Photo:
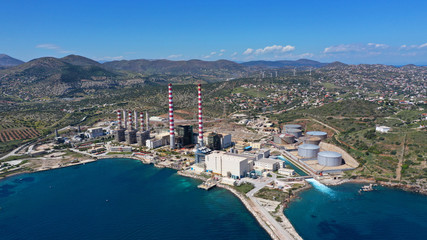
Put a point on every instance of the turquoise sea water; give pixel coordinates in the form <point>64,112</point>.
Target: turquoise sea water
<point>340,212</point>
<point>119,199</point>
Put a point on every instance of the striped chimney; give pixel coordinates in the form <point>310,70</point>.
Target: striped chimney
<point>125,118</point>
<point>135,117</point>
<point>199,98</point>
<point>171,120</point>
<point>130,120</point>
<point>119,118</point>
<point>141,119</point>
<point>147,121</point>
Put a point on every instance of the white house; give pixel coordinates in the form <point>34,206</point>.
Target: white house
<point>382,129</point>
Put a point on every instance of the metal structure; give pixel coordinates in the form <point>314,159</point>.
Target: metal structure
<point>199,98</point>
<point>308,150</point>
<point>320,134</point>
<point>296,132</point>
<point>312,140</point>
<point>171,120</point>
<point>329,159</point>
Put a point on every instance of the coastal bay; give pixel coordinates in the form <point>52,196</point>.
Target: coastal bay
<point>119,199</point>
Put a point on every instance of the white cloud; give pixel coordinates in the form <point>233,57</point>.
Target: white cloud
<point>275,49</point>
<point>54,47</point>
<point>234,54</point>
<point>214,53</point>
<point>248,51</point>
<point>174,56</point>
<point>378,45</point>
<point>413,46</point>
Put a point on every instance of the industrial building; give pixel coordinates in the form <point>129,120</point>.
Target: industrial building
<point>95,132</point>
<point>185,132</point>
<point>311,140</point>
<point>291,126</point>
<point>308,150</point>
<point>128,133</point>
<point>227,164</point>
<point>153,143</point>
<point>214,141</point>
<point>268,164</point>
<point>329,158</point>
<point>286,171</point>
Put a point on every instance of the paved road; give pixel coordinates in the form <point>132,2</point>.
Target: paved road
<point>275,226</point>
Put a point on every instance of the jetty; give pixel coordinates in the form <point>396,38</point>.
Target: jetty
<point>207,185</point>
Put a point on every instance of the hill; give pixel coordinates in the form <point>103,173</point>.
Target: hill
<point>50,76</point>
<point>206,69</point>
<point>80,61</point>
<point>7,61</point>
<point>285,64</point>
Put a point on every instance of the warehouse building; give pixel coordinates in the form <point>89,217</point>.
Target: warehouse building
<point>227,164</point>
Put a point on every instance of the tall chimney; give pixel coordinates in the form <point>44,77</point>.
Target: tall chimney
<point>199,98</point>
<point>130,120</point>
<point>125,119</point>
<point>171,120</point>
<point>135,116</point>
<point>119,118</point>
<point>141,119</point>
<point>147,121</point>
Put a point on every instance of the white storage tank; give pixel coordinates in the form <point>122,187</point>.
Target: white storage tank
<point>329,158</point>
<point>292,126</point>
<point>296,132</point>
<point>320,134</point>
<point>308,150</point>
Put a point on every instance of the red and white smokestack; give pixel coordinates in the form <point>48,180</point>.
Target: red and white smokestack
<point>119,119</point>
<point>130,120</point>
<point>171,120</point>
<point>135,116</point>
<point>141,120</point>
<point>199,98</point>
<point>125,119</point>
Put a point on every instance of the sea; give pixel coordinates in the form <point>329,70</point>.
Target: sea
<point>125,199</point>
<point>119,199</point>
<point>340,212</point>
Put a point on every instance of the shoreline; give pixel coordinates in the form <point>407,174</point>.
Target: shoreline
<point>248,203</point>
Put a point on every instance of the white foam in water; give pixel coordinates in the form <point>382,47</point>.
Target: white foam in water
<point>321,187</point>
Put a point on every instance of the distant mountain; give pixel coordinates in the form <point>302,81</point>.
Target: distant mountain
<point>220,68</point>
<point>285,63</point>
<point>335,64</point>
<point>48,76</point>
<point>80,61</point>
<point>7,61</point>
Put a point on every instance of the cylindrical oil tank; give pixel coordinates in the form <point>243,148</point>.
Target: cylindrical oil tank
<point>308,150</point>
<point>292,126</point>
<point>329,158</point>
<point>288,138</point>
<point>312,140</point>
<point>296,132</point>
<point>320,134</point>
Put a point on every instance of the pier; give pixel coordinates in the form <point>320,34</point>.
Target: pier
<point>207,185</point>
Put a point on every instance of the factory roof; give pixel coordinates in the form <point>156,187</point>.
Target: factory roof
<point>269,160</point>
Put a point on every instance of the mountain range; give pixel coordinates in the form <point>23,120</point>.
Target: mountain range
<point>49,76</point>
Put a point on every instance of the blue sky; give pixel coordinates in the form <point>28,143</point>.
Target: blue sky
<point>375,31</point>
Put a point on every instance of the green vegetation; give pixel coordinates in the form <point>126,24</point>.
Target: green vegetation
<point>272,194</point>
<point>244,188</point>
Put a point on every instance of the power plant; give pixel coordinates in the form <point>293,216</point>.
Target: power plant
<point>129,133</point>
<point>171,120</point>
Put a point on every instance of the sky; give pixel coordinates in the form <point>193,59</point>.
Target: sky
<point>362,31</point>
